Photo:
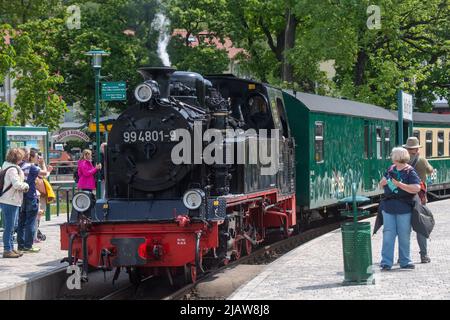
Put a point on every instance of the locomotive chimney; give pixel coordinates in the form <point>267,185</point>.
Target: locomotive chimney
<point>160,75</point>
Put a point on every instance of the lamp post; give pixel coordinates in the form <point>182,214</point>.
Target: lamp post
<point>97,65</point>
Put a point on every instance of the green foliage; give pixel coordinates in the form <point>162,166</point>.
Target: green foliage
<point>196,16</point>
<point>6,112</point>
<point>16,12</point>
<point>37,99</point>
<point>204,58</point>
<point>409,51</point>
<point>68,145</point>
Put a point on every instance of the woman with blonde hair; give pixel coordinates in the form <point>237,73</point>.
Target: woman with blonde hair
<point>11,198</point>
<point>86,171</point>
<point>400,183</point>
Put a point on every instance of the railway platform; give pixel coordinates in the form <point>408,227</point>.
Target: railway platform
<point>315,270</point>
<point>34,275</point>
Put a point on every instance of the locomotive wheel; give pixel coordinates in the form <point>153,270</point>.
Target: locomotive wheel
<point>247,247</point>
<point>237,249</point>
<point>190,273</point>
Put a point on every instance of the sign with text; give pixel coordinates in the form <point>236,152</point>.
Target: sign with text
<point>114,91</point>
<point>65,135</point>
<point>406,104</point>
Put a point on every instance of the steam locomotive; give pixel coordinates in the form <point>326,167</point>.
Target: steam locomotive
<point>197,172</point>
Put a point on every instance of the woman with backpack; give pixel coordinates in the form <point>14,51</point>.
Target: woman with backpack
<point>86,172</point>
<point>401,183</point>
<point>13,186</point>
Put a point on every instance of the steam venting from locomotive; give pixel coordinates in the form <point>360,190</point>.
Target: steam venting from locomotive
<point>162,23</point>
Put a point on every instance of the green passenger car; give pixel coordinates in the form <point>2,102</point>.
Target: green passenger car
<point>433,132</point>
<point>338,142</point>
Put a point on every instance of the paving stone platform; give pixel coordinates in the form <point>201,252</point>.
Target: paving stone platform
<point>315,270</point>
<point>31,267</point>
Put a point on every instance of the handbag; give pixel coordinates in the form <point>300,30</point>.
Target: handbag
<point>49,191</point>
<point>40,186</point>
<point>422,220</point>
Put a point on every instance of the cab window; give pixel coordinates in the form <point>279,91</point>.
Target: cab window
<point>283,118</point>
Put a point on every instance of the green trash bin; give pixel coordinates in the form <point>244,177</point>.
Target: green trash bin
<point>357,251</point>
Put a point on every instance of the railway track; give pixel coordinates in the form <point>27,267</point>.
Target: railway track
<point>262,255</point>
<point>158,288</point>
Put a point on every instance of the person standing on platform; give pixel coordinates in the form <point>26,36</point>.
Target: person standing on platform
<point>87,171</point>
<point>400,183</point>
<point>11,198</point>
<point>27,218</point>
<point>423,168</point>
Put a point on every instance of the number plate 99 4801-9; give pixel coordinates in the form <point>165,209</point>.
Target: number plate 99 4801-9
<point>148,136</point>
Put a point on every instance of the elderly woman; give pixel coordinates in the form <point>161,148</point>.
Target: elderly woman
<point>400,183</point>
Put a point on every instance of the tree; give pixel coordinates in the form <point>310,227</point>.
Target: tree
<point>267,30</point>
<point>37,101</point>
<point>205,21</point>
<point>103,25</point>
<point>17,12</point>
<point>408,51</point>
<point>204,58</point>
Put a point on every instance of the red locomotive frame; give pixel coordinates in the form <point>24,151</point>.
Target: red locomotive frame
<point>174,244</point>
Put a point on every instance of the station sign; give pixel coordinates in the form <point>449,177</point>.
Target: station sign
<point>72,134</point>
<point>114,91</point>
<point>406,105</point>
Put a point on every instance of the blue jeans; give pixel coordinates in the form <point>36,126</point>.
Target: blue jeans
<point>9,213</point>
<point>422,241</point>
<point>27,223</point>
<point>396,225</point>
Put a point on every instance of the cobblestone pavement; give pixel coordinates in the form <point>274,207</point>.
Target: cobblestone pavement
<point>315,270</point>
<point>32,265</point>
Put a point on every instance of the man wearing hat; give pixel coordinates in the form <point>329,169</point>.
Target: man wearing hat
<point>423,168</point>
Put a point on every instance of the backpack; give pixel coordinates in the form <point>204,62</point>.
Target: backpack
<point>2,180</point>
<point>423,186</point>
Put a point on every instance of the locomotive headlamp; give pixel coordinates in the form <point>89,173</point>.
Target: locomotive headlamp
<point>81,201</point>
<point>193,199</point>
<point>143,92</point>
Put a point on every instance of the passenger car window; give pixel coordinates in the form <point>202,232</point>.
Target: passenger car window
<point>429,144</point>
<point>440,141</point>
<point>379,143</point>
<point>387,143</point>
<point>416,133</point>
<point>318,142</point>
